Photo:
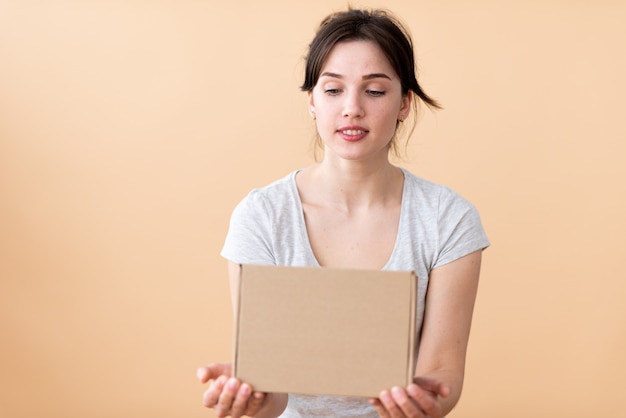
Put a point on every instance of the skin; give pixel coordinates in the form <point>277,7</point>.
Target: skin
<point>351,196</point>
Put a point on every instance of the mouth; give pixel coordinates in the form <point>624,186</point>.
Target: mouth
<point>352,133</point>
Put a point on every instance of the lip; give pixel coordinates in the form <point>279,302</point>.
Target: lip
<point>352,133</point>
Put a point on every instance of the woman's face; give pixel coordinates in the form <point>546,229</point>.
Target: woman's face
<point>357,101</point>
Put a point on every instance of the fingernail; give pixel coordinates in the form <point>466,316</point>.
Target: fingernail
<point>384,396</point>
<point>244,390</point>
<point>200,373</point>
<point>232,383</point>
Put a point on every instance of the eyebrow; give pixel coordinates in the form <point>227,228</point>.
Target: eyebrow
<point>365,77</point>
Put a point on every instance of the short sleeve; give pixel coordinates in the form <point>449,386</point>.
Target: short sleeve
<point>460,230</point>
<point>248,240</point>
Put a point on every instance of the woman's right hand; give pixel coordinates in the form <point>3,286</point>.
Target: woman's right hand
<point>226,394</point>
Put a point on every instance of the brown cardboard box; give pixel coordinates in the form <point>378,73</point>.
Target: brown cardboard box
<point>325,331</point>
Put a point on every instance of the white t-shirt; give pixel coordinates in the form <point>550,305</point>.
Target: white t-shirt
<point>437,226</point>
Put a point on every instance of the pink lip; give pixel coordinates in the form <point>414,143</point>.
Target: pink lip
<point>352,133</point>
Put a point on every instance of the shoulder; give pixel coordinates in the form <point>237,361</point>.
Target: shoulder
<point>277,187</point>
<point>431,193</point>
<point>449,220</point>
<point>272,195</point>
<point>277,190</point>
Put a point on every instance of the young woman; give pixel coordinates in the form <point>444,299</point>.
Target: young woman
<point>355,209</point>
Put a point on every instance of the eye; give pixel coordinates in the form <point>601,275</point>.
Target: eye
<point>375,93</point>
<point>332,92</point>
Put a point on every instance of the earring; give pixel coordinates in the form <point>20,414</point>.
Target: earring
<point>401,118</point>
<point>313,115</point>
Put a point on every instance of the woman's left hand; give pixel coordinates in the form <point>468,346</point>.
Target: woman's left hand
<point>418,400</point>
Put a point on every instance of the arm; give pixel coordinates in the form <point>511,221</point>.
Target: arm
<point>234,272</point>
<point>229,396</point>
<point>441,362</point>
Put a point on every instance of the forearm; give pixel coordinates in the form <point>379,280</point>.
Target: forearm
<point>447,321</point>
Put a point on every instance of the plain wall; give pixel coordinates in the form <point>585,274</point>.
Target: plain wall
<point>130,129</point>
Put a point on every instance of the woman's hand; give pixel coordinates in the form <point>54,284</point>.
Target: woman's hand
<point>226,394</point>
<point>418,400</point>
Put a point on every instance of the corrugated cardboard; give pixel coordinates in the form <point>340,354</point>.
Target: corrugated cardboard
<point>323,331</point>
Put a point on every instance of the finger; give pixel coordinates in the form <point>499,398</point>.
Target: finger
<point>212,371</point>
<point>240,403</point>
<point>404,402</point>
<point>391,408</point>
<point>378,406</point>
<point>255,403</point>
<point>225,402</point>
<point>435,386</point>
<point>212,394</point>
<point>425,400</point>
<point>202,374</point>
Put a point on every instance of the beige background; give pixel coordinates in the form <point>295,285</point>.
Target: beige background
<point>130,129</point>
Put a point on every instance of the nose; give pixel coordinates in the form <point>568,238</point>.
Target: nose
<point>352,105</point>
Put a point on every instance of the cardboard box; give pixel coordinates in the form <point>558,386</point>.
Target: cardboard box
<point>323,331</point>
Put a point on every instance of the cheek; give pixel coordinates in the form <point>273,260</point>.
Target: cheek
<point>325,115</point>
<point>324,125</point>
<point>387,119</point>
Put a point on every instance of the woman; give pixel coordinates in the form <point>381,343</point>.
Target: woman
<point>355,209</point>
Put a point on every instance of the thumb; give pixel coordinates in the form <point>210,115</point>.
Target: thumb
<point>436,387</point>
<point>212,371</point>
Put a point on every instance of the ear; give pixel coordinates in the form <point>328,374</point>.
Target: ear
<point>405,105</point>
<point>310,102</point>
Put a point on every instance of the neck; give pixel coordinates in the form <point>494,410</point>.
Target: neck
<point>356,184</point>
